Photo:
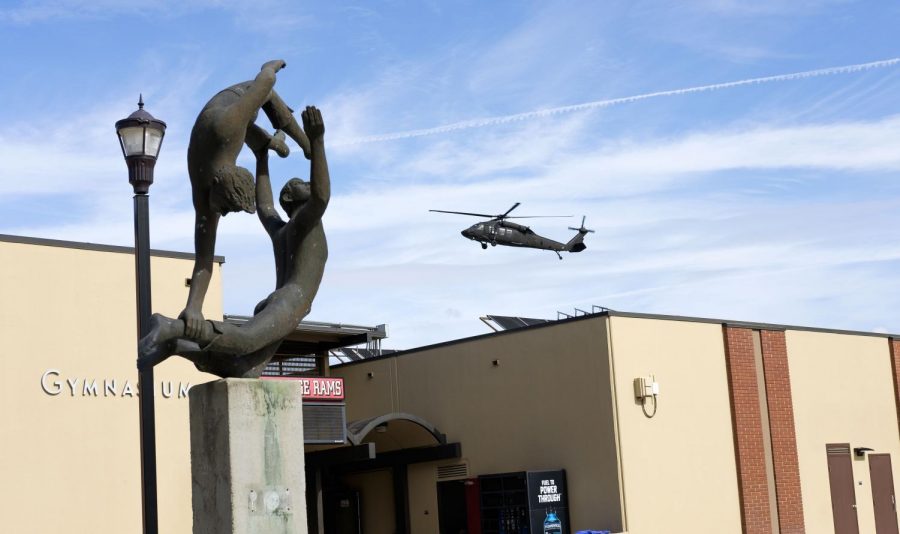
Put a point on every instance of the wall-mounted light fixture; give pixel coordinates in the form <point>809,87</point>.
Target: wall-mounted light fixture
<point>646,387</point>
<point>370,375</point>
<point>861,451</point>
<point>495,363</point>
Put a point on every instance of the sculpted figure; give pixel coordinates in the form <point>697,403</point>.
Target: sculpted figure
<point>300,253</point>
<point>218,185</point>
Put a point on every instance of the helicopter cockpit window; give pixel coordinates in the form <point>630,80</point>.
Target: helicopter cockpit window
<point>480,227</point>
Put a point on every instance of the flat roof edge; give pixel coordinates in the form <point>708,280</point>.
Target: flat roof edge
<point>750,324</point>
<point>473,338</point>
<point>78,245</point>
<point>634,315</point>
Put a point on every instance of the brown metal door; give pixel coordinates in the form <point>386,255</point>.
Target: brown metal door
<point>843,494</point>
<point>883,494</point>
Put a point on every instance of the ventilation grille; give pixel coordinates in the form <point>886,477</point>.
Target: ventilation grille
<point>290,366</point>
<point>453,472</point>
<point>838,449</point>
<point>324,422</point>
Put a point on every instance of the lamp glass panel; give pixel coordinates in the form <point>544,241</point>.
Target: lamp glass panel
<point>133,140</point>
<point>154,139</point>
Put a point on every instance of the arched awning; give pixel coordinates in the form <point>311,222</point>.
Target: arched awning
<point>358,430</point>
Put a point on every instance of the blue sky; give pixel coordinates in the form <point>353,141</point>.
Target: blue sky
<point>774,201</point>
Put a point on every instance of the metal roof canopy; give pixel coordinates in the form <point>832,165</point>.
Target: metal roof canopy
<point>314,337</point>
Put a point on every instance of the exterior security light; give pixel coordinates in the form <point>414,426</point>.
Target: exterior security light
<point>140,136</point>
<point>861,451</point>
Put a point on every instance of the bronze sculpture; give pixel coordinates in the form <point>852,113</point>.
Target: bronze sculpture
<point>299,243</point>
<point>218,185</point>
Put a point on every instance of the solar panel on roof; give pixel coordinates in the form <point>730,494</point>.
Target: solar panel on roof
<point>509,323</point>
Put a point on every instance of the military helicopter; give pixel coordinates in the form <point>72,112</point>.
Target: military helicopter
<point>498,230</point>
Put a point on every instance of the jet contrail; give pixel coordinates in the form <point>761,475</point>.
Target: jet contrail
<point>491,121</point>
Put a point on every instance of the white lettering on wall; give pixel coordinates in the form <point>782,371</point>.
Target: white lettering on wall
<point>56,385</point>
<point>91,387</point>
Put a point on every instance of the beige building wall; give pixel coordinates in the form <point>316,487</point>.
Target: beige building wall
<point>679,471</point>
<point>676,470</point>
<point>546,405</point>
<point>70,460</point>
<point>373,388</point>
<point>843,393</point>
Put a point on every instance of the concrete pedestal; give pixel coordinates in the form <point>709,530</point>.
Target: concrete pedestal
<point>247,457</point>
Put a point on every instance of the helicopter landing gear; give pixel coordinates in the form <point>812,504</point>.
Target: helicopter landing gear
<point>558,254</point>
<point>493,243</point>
<point>484,246</point>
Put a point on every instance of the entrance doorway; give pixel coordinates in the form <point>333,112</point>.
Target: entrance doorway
<point>843,494</point>
<point>883,494</point>
<point>342,512</point>
<point>453,517</point>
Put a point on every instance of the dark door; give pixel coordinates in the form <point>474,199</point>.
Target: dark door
<point>341,512</point>
<point>452,513</point>
<point>883,494</point>
<point>843,495</point>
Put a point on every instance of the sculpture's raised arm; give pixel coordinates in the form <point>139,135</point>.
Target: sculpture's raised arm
<point>265,205</point>
<point>319,180</point>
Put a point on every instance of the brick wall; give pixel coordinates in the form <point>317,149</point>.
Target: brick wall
<point>895,367</point>
<point>781,428</point>
<point>748,435</point>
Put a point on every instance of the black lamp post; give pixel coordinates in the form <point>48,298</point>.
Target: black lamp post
<point>140,136</point>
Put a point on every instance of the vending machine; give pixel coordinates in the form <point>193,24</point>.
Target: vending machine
<point>526,502</point>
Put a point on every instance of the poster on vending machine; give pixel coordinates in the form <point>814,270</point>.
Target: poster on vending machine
<point>547,502</point>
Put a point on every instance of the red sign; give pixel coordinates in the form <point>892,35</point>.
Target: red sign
<point>317,387</point>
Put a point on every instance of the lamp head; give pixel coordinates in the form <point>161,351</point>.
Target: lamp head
<point>140,137</point>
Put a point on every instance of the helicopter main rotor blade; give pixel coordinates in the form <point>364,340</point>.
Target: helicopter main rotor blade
<point>537,216</point>
<point>465,213</point>
<point>504,216</point>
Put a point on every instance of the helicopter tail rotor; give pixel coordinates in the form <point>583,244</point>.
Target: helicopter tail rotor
<point>576,244</point>
<point>582,229</point>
